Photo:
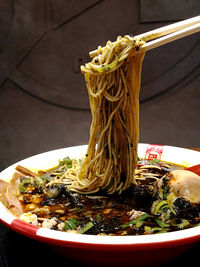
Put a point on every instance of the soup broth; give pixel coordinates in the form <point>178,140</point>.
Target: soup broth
<point>138,210</point>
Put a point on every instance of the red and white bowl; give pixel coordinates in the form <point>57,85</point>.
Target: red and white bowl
<point>139,250</point>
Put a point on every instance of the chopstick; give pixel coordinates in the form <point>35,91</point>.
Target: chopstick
<point>166,34</point>
<point>171,37</point>
<point>168,29</point>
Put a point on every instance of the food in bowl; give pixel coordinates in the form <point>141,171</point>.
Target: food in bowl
<point>165,199</point>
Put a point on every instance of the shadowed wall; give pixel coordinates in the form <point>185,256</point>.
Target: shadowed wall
<point>43,99</point>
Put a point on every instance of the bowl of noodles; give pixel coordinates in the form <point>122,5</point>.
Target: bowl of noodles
<point>136,238</point>
<point>113,201</point>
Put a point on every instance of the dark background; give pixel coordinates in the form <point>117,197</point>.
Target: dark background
<point>43,99</point>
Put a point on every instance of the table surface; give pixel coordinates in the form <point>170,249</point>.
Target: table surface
<point>17,250</point>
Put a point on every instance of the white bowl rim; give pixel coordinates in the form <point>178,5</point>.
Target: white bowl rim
<point>47,159</point>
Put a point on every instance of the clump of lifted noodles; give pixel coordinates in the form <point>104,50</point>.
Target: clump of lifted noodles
<point>113,82</point>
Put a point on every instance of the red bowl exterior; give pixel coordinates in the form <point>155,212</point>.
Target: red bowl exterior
<point>122,257</point>
<point>90,254</point>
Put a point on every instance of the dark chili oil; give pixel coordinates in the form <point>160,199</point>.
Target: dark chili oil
<point>107,214</point>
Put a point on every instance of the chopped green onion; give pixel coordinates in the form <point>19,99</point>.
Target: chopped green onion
<point>167,214</point>
<point>161,223</point>
<point>46,179</point>
<point>161,205</point>
<point>21,185</point>
<point>170,200</point>
<point>182,225</point>
<point>71,224</point>
<point>73,220</point>
<point>159,229</point>
<point>102,68</point>
<point>127,224</point>
<point>66,161</point>
<point>164,207</point>
<point>138,222</point>
<point>98,217</point>
<point>147,229</point>
<point>39,181</point>
<point>85,228</point>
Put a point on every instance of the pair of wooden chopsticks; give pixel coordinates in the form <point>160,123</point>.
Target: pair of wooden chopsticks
<point>170,33</point>
<point>167,33</point>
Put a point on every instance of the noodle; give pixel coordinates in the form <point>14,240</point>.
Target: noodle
<point>113,83</point>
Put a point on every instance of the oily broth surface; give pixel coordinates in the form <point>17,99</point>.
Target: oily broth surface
<point>107,214</point>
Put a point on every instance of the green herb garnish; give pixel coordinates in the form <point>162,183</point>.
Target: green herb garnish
<point>161,205</point>
<point>85,228</point>
<point>184,223</point>
<point>161,223</point>
<point>105,67</point>
<point>21,185</point>
<point>159,230</point>
<point>39,181</point>
<point>99,217</point>
<point>71,224</point>
<point>66,161</point>
<point>137,222</point>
